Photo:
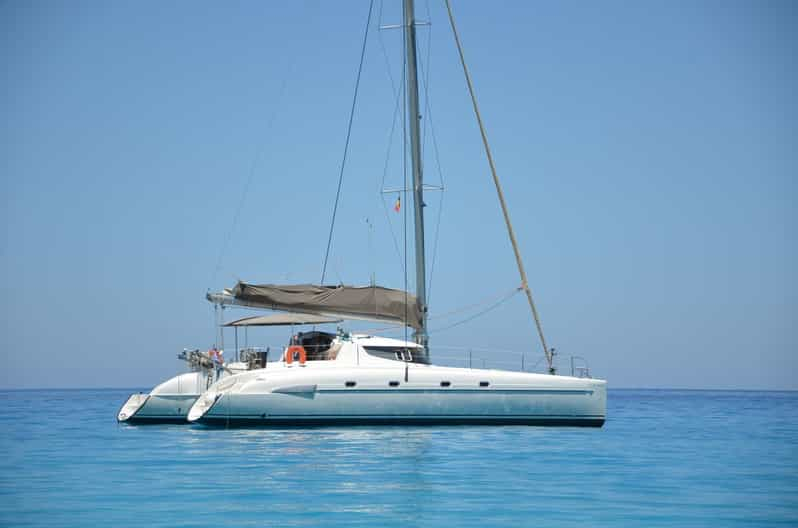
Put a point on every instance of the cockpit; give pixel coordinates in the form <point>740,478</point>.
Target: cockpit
<point>318,345</point>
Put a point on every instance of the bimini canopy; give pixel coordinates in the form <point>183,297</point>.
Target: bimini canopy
<point>373,303</point>
<point>283,319</point>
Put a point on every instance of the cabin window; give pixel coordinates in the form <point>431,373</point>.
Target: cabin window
<point>484,383</point>
<point>406,354</point>
<point>445,383</point>
<point>350,383</point>
<point>393,383</point>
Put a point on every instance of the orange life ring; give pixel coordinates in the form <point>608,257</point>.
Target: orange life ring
<point>290,351</point>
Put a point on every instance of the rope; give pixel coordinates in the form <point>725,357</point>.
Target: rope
<point>346,144</point>
<point>524,281</point>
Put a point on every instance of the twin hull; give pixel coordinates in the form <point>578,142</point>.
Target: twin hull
<point>168,402</point>
<point>327,395</point>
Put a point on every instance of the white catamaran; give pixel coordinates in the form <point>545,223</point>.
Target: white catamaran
<point>341,378</point>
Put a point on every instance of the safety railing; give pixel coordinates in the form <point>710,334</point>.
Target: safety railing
<point>453,356</point>
<point>493,358</point>
<point>579,367</point>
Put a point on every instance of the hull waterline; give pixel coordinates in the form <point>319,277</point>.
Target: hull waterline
<point>348,421</point>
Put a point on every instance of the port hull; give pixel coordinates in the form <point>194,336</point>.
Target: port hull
<point>158,408</point>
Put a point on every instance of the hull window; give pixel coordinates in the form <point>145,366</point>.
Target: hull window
<point>446,383</point>
<point>350,383</point>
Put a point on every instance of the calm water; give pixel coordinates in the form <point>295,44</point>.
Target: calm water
<point>664,458</point>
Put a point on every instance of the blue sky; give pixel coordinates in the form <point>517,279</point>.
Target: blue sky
<point>648,150</point>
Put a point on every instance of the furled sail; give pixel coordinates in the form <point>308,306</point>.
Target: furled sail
<point>351,302</point>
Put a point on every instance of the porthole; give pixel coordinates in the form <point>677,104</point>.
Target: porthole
<point>393,383</point>
<point>484,383</point>
<point>445,383</point>
<point>350,383</point>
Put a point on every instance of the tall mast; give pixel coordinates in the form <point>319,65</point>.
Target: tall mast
<point>414,116</point>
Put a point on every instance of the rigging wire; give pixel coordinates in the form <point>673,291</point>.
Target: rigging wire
<point>524,282</point>
<point>251,177</point>
<point>491,302</point>
<point>384,175</point>
<point>377,197</point>
<point>402,192</point>
<point>397,95</point>
<point>385,51</point>
<point>428,110</point>
<point>426,83</point>
<point>404,165</point>
<point>346,144</point>
<point>493,306</point>
<point>482,302</point>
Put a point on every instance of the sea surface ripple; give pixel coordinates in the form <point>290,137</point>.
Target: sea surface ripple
<point>664,458</point>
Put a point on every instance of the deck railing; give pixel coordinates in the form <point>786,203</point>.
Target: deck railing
<point>468,357</point>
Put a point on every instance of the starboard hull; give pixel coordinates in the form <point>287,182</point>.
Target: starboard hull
<point>304,398</point>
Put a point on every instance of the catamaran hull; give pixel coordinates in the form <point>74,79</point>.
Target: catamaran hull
<point>157,408</point>
<point>521,400</point>
<point>277,417</point>
<point>169,402</point>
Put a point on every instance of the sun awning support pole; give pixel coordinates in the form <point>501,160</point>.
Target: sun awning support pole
<point>221,330</point>
<point>215,324</point>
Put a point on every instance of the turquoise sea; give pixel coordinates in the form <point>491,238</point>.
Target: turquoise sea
<point>664,458</point>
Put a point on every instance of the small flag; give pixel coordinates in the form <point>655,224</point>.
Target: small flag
<point>398,204</point>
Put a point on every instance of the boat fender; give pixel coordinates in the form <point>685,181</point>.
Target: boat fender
<point>293,349</point>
